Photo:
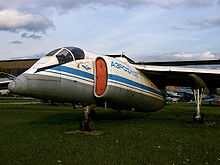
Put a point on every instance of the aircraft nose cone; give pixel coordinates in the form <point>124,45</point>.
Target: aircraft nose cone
<point>18,86</point>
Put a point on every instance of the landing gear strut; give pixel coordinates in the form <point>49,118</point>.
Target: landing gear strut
<point>198,117</point>
<point>87,123</point>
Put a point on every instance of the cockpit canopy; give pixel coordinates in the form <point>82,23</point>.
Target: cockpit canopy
<point>67,54</point>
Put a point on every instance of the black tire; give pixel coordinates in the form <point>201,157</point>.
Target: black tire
<point>88,124</point>
<point>85,125</point>
<point>92,114</point>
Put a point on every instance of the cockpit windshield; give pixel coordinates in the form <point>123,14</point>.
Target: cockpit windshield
<point>77,52</point>
<point>52,52</point>
<point>67,54</point>
<point>64,56</point>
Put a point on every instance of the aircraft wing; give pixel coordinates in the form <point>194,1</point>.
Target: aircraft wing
<point>5,83</point>
<point>182,63</point>
<point>5,79</point>
<point>179,76</point>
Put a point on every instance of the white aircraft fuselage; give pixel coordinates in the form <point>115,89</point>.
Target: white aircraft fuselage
<point>77,76</point>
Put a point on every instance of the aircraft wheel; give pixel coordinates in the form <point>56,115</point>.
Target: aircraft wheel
<point>198,120</point>
<point>92,114</point>
<point>85,125</point>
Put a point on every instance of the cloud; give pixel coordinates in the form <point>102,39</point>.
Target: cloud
<point>179,56</point>
<point>206,23</point>
<point>15,42</point>
<point>217,54</point>
<point>32,36</point>
<point>198,3</point>
<point>188,3</point>
<point>178,28</point>
<point>197,56</point>
<point>15,21</point>
<point>66,5</point>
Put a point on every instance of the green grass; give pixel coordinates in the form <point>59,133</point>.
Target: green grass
<point>16,100</point>
<point>35,134</point>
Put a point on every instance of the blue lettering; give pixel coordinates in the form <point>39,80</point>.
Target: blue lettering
<point>112,64</point>
<point>124,68</point>
<point>129,71</point>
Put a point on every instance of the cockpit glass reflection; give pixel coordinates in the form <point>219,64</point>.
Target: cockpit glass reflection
<point>64,56</point>
<point>52,52</point>
<point>77,52</point>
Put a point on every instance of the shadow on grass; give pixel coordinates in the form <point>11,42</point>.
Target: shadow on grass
<point>62,118</point>
<point>75,117</point>
<point>73,120</point>
<point>175,115</point>
<point>210,105</point>
<point>121,116</point>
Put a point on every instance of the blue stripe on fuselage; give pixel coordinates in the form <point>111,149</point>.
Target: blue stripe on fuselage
<point>132,87</point>
<point>133,83</point>
<point>110,77</point>
<point>74,71</point>
<point>69,76</point>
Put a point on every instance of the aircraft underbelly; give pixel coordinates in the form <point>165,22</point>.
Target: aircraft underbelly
<point>128,99</point>
<point>77,92</point>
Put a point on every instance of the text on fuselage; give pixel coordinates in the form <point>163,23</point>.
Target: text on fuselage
<point>124,68</point>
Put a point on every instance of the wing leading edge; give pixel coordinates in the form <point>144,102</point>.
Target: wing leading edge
<point>181,63</point>
<point>179,76</point>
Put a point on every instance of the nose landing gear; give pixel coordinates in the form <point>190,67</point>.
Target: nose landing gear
<point>87,122</point>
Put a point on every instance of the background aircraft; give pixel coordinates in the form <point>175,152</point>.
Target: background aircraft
<point>74,75</point>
